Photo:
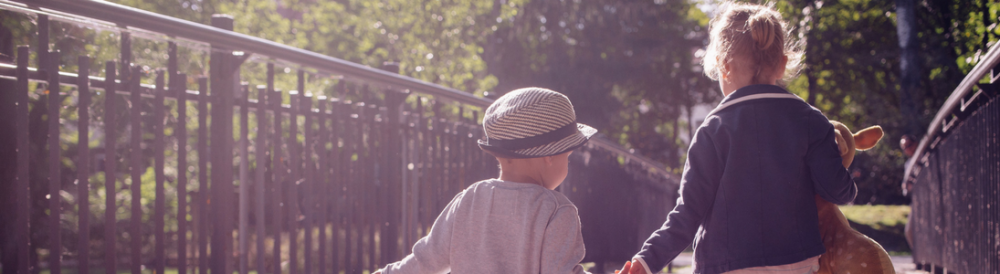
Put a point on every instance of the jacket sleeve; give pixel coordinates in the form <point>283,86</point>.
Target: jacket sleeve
<point>699,184</point>
<point>562,246</point>
<point>830,179</point>
<point>432,253</point>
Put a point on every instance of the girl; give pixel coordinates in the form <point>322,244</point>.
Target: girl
<point>755,164</point>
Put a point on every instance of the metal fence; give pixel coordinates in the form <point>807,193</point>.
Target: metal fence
<point>268,181</point>
<point>954,178</point>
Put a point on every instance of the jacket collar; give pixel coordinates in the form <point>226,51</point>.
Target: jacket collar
<point>753,92</point>
<point>753,89</point>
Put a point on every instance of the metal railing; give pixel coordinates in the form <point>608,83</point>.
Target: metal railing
<point>954,179</point>
<point>269,181</point>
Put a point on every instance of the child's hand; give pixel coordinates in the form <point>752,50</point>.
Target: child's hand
<point>629,269</point>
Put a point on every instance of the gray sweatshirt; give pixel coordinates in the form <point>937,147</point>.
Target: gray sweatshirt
<point>500,227</point>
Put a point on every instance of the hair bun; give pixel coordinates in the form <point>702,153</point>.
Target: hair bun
<point>761,30</point>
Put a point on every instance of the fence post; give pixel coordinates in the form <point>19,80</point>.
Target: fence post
<point>222,77</point>
<point>393,101</point>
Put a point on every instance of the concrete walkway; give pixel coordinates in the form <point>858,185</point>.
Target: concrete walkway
<point>903,264</point>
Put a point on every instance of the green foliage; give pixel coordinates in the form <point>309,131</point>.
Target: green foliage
<point>852,71</point>
<point>630,67</point>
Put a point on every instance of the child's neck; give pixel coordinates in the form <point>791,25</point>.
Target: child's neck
<point>518,178</point>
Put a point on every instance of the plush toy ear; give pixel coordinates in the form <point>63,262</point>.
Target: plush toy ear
<point>841,142</point>
<point>867,138</point>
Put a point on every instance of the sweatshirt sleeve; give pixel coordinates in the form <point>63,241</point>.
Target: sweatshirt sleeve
<point>432,253</point>
<point>830,179</point>
<point>562,246</point>
<point>699,183</point>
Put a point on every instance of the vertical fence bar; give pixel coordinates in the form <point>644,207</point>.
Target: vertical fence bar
<point>22,228</point>
<point>42,50</point>
<point>337,182</point>
<point>410,205</point>
<point>126,57</point>
<point>310,181</point>
<point>438,160</point>
<point>159,208</point>
<point>179,85</point>
<point>83,163</point>
<point>260,148</point>
<point>372,182</point>
<point>322,181</point>
<point>366,181</point>
<point>110,168</point>
<point>222,73</point>
<point>243,98</point>
<point>55,165</point>
<point>291,195</point>
<point>277,170</point>
<point>351,237</point>
<point>423,182</point>
<point>395,182</point>
<point>202,215</point>
<point>135,141</point>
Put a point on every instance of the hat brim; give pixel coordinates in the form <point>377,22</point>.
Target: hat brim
<point>568,143</point>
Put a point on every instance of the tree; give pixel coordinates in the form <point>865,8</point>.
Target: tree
<point>631,68</point>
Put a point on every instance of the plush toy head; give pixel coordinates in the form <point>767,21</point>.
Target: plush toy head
<point>849,143</point>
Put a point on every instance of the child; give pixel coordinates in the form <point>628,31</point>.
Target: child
<point>755,164</point>
<point>516,223</point>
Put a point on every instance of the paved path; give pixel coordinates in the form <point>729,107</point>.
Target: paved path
<point>903,264</point>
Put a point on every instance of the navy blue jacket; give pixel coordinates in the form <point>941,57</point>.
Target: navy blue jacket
<point>747,192</point>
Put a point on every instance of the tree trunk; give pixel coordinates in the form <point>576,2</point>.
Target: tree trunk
<point>909,65</point>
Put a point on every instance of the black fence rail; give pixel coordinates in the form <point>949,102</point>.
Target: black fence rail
<point>954,178</point>
<point>124,167</point>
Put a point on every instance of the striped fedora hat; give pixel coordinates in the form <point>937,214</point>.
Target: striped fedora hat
<point>532,122</point>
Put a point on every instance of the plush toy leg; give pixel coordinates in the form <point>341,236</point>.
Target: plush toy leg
<point>847,250</point>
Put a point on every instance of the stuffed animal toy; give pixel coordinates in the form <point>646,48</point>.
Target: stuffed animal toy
<point>847,250</point>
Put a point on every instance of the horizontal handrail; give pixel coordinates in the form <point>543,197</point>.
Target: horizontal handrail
<point>132,17</point>
<point>174,27</point>
<point>937,126</point>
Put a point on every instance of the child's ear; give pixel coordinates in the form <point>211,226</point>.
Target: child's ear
<point>867,138</point>
<point>548,161</point>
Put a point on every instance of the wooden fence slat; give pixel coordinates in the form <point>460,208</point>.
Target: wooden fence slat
<point>260,160</point>
<point>179,87</point>
<point>337,185</point>
<point>135,142</point>
<point>202,215</point>
<point>22,228</point>
<point>223,76</point>
<point>367,182</point>
<point>244,189</point>
<point>278,169</point>
<point>374,184</point>
<point>352,235</point>
<point>291,185</point>
<point>55,165</point>
<point>159,208</point>
<point>309,166</point>
<point>321,175</point>
<point>110,169</point>
<point>83,164</point>
<point>126,56</point>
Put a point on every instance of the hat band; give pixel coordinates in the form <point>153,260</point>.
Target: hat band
<point>534,141</point>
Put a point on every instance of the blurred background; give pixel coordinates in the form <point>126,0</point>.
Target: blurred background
<point>632,68</point>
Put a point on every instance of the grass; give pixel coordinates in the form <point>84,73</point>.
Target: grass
<point>877,216</point>
<point>886,224</point>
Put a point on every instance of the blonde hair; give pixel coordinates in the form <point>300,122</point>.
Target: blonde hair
<point>751,36</point>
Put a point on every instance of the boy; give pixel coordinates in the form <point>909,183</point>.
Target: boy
<point>516,223</point>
